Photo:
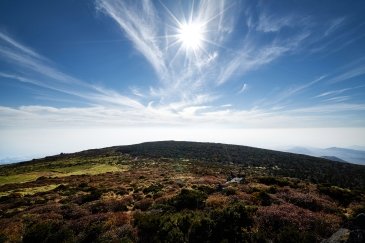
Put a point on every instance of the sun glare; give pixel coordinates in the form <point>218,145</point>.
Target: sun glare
<point>191,35</point>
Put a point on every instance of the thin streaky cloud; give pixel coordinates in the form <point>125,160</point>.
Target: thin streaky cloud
<point>17,45</point>
<point>352,73</point>
<point>274,24</point>
<point>243,88</point>
<point>334,41</point>
<point>330,108</point>
<point>334,25</point>
<point>42,74</point>
<point>338,91</point>
<point>283,96</point>
<point>139,27</point>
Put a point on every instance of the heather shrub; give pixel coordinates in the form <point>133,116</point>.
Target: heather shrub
<point>11,229</point>
<point>274,218</point>
<point>219,225</point>
<point>291,234</point>
<point>206,189</point>
<point>92,196</point>
<point>148,225</point>
<point>73,211</point>
<point>47,209</point>
<point>201,230</point>
<point>154,188</point>
<point>270,180</point>
<point>144,204</point>
<point>272,190</point>
<point>357,210</point>
<point>343,196</point>
<point>216,201</point>
<point>48,231</point>
<point>230,191</point>
<point>138,195</point>
<point>229,222</point>
<point>117,219</point>
<point>263,198</point>
<point>84,222</point>
<point>189,199</point>
<point>3,238</point>
<point>92,233</point>
<point>308,201</point>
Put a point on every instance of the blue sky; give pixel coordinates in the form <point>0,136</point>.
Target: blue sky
<point>83,74</point>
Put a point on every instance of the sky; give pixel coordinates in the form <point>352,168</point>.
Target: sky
<point>79,74</point>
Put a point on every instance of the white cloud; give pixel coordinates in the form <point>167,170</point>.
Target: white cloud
<point>334,25</point>
<point>268,23</point>
<point>138,21</point>
<point>38,71</point>
<point>243,88</point>
<point>339,91</point>
<point>354,72</point>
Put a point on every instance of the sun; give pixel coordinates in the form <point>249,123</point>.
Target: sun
<point>191,35</point>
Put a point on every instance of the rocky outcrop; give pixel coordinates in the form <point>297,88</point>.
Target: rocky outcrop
<point>354,233</point>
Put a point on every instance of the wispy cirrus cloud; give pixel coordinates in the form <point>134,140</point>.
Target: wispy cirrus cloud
<point>243,88</point>
<point>138,21</point>
<point>334,25</point>
<point>39,71</point>
<point>356,71</point>
<point>267,23</point>
<point>181,72</point>
<point>338,91</point>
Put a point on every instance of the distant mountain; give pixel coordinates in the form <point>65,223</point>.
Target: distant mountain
<point>9,160</point>
<point>356,147</point>
<point>345,154</point>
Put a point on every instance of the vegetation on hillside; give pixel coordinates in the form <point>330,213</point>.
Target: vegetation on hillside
<point>110,195</point>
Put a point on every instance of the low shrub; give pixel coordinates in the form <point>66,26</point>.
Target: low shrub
<point>263,198</point>
<point>144,204</point>
<point>154,188</point>
<point>230,191</point>
<point>189,199</point>
<point>343,196</point>
<point>270,180</point>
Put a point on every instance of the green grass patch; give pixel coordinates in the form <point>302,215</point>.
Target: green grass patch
<point>62,172</point>
<point>89,170</point>
<point>20,178</point>
<point>31,190</point>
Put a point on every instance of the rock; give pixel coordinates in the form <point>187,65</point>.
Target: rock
<point>356,233</point>
<point>236,180</point>
<point>341,235</point>
<point>359,221</point>
<point>356,236</point>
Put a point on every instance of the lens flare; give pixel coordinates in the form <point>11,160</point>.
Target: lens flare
<point>191,35</point>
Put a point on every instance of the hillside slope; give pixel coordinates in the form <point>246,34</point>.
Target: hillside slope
<point>179,192</point>
<point>274,163</point>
